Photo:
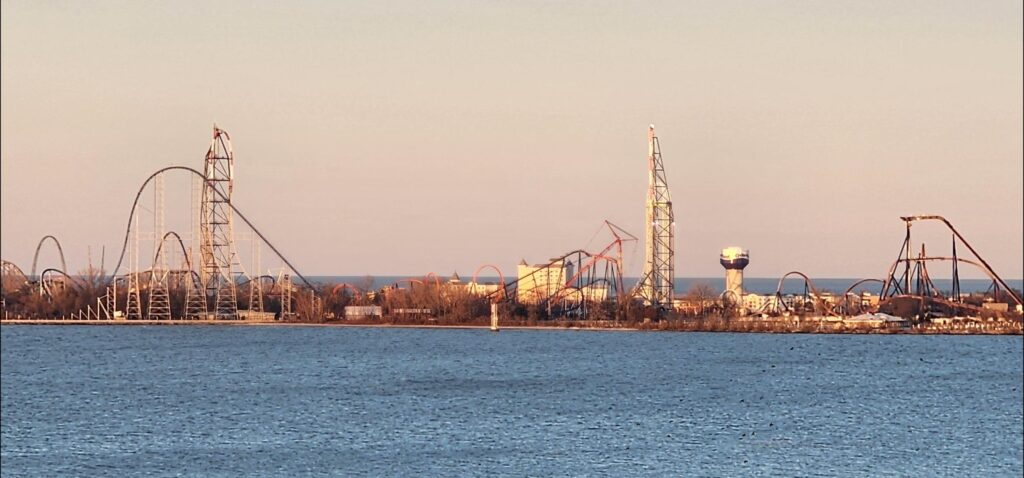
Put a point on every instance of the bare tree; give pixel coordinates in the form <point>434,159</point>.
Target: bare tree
<point>702,293</point>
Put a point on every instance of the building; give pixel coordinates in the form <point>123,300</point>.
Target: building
<point>540,281</point>
<point>757,303</point>
<point>877,321</point>
<point>483,288</point>
<point>363,311</point>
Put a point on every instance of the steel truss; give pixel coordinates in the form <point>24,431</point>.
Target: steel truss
<point>656,286</point>
<point>217,249</point>
<point>908,276</point>
<point>596,278</point>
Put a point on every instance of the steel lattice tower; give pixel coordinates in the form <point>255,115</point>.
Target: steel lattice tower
<point>159,300</point>
<point>656,285</point>
<point>255,284</point>
<point>217,249</point>
<point>133,309</point>
<point>195,296</point>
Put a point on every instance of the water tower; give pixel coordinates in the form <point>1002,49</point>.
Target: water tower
<point>734,259</point>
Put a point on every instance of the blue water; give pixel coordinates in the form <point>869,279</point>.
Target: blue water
<point>295,401</point>
<point>756,285</point>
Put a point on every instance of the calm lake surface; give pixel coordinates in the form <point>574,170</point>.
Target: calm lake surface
<point>287,401</point>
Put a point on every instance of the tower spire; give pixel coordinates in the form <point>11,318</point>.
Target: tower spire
<point>217,246</point>
<point>656,286</point>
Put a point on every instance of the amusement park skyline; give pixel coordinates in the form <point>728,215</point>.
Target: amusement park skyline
<point>405,138</point>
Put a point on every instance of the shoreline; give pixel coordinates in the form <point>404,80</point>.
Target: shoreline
<point>555,327</point>
<point>254,323</point>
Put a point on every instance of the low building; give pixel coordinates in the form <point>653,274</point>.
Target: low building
<point>877,321</point>
<point>868,300</point>
<point>757,303</point>
<point>415,312</point>
<point>363,311</point>
<point>482,288</point>
<point>996,306</point>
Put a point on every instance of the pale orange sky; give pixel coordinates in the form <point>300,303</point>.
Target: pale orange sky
<point>408,137</point>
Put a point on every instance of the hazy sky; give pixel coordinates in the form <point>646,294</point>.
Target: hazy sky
<point>408,137</point>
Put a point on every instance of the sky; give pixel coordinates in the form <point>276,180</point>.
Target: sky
<point>394,138</point>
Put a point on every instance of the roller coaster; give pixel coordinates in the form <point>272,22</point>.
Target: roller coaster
<point>909,289</point>
<point>206,284</point>
<point>210,281</point>
<point>191,290</point>
<point>571,284</point>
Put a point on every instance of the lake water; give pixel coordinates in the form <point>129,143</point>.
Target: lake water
<point>296,401</point>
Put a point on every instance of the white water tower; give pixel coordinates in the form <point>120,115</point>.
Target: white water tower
<point>734,260</point>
